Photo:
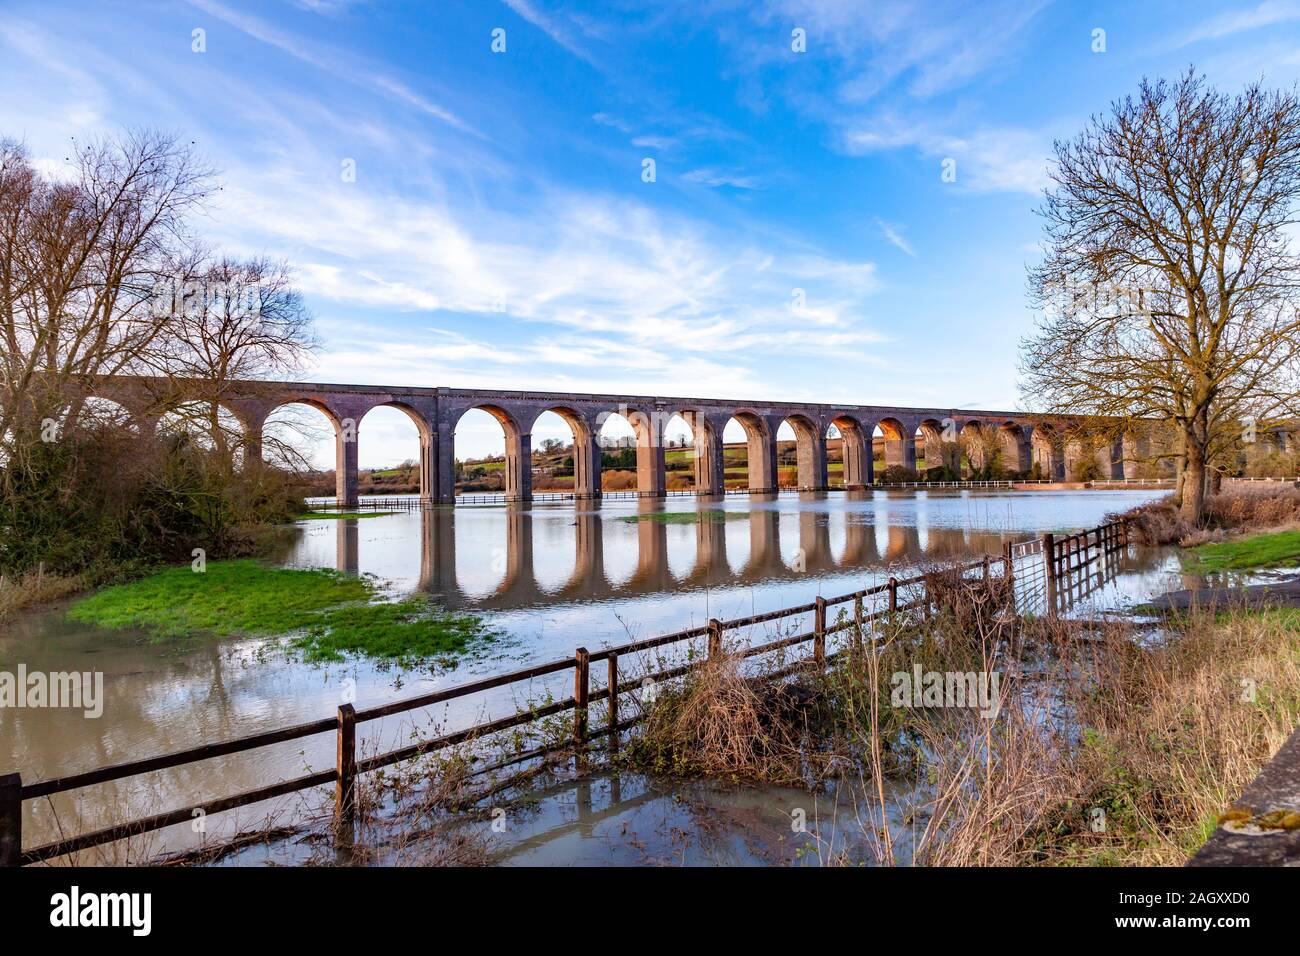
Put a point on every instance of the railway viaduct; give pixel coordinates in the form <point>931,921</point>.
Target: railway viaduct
<point>1024,439</point>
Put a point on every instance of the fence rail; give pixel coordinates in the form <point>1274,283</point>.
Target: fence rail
<point>1061,556</point>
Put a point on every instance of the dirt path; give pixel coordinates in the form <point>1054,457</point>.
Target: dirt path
<point>1277,594</point>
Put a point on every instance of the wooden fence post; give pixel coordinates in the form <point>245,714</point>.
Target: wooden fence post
<point>1049,556</point>
<point>1009,572</point>
<point>11,820</point>
<point>857,623</point>
<point>613,702</point>
<point>893,594</point>
<point>819,632</point>
<point>346,764</point>
<point>581,692</point>
<point>715,637</point>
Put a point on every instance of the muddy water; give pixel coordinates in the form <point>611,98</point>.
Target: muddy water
<point>547,578</point>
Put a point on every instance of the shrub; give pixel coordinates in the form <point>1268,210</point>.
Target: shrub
<point>618,480</point>
<point>1087,469</point>
<point>114,497</point>
<point>1237,507</point>
<point>897,473</point>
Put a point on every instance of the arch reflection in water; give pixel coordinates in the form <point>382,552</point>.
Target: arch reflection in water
<point>527,556</point>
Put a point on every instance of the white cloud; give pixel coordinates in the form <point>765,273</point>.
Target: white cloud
<point>328,7</point>
<point>714,177</point>
<point>603,264</point>
<point>551,26</point>
<point>895,238</point>
<point>987,159</point>
<point>925,46</point>
<point>654,142</point>
<point>331,62</point>
<point>1268,13</point>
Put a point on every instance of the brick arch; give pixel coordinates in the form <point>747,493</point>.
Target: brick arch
<point>973,436</point>
<point>82,413</point>
<point>900,443</point>
<point>938,453</point>
<point>425,432</point>
<point>760,447</point>
<point>586,447</point>
<point>855,442</point>
<point>706,441</point>
<point>1047,444</point>
<point>810,451</point>
<point>518,445</point>
<point>646,423</point>
<point>1014,442</point>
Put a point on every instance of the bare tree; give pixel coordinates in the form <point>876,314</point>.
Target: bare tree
<point>79,259</point>
<point>1168,285</point>
<point>231,321</point>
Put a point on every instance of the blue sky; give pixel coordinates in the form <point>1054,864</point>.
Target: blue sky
<point>499,231</point>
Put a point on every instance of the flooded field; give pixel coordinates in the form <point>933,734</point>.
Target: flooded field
<point>547,578</point>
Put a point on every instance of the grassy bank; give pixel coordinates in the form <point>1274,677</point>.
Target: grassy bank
<point>30,589</point>
<point>1279,549</point>
<point>20,591</point>
<point>323,615</point>
<point>1169,737</point>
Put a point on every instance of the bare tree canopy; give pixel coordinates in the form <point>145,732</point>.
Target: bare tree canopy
<point>99,275</point>
<point>79,261</point>
<point>1169,281</point>
<point>231,320</point>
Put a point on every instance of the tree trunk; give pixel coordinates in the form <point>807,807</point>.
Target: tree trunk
<point>1192,505</point>
<point>1180,463</point>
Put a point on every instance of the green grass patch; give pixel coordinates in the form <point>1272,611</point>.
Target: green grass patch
<point>1279,549</point>
<point>324,614</point>
<point>336,515</point>
<point>406,632</point>
<point>685,517</point>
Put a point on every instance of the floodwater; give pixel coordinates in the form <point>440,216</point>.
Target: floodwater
<point>547,579</point>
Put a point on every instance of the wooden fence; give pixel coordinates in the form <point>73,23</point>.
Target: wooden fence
<point>1065,554</point>
<point>1062,554</point>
